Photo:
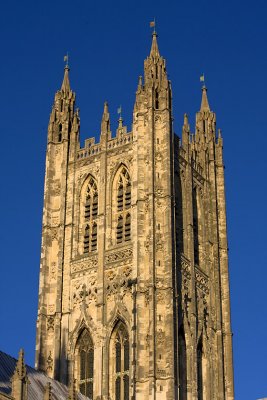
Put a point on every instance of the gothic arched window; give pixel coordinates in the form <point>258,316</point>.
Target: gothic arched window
<point>123,205</point>
<point>120,359</point>
<point>86,364</point>
<point>90,217</point>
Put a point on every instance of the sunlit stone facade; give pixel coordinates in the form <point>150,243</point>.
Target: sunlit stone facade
<point>134,289</point>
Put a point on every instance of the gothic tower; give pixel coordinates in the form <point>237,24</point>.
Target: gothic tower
<point>134,290</point>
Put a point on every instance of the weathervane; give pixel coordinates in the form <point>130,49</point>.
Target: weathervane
<point>152,24</point>
<point>66,59</point>
<point>202,79</point>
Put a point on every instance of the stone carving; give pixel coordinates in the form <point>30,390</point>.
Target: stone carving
<point>54,233</point>
<point>117,283</point>
<point>50,323</point>
<point>159,245</point>
<point>51,309</point>
<point>49,362</point>
<point>84,264</point>
<point>147,243</point>
<point>185,269</point>
<point>52,271</point>
<point>202,281</point>
<point>147,297</point>
<point>203,313</point>
<point>160,336</point>
<point>186,300</point>
<point>119,255</point>
<point>157,119</point>
<point>56,188</point>
<point>146,209</point>
<point>158,156</point>
<point>159,191</point>
<point>160,297</point>
<point>84,293</point>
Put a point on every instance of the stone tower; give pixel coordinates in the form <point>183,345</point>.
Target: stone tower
<point>134,290</point>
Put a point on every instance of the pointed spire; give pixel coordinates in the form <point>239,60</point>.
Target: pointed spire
<point>66,82</point>
<point>186,131</point>
<point>120,121</point>
<point>48,392</point>
<point>105,123</point>
<point>20,379</point>
<point>20,370</point>
<point>204,102</point>
<point>154,52</point>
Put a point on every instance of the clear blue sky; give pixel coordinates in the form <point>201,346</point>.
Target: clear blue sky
<point>107,42</point>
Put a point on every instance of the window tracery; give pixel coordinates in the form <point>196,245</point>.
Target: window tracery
<point>121,360</point>
<point>90,217</point>
<point>123,204</point>
<point>86,364</point>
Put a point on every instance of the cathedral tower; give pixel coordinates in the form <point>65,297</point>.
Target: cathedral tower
<point>134,289</point>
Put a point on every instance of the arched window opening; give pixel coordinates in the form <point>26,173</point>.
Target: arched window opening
<point>127,228</point>
<point>156,100</point>
<point>86,364</point>
<point>128,195</point>
<point>59,133</point>
<point>121,359</point>
<point>120,197</point>
<point>94,238</point>
<point>182,365</point>
<point>86,239</point>
<point>123,203</point>
<point>90,217</point>
<point>120,230</point>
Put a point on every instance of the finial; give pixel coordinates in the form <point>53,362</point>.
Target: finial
<point>140,81</point>
<point>152,24</point>
<point>66,59</point>
<point>219,133</point>
<point>105,107</point>
<point>119,111</point>
<point>105,123</point>
<point>185,119</point>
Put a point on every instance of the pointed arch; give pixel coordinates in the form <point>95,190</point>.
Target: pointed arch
<point>122,200</point>
<point>85,363</point>
<point>89,215</point>
<point>119,360</point>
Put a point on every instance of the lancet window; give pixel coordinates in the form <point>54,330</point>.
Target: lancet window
<point>121,362</point>
<point>123,205</point>
<point>86,364</point>
<point>90,217</point>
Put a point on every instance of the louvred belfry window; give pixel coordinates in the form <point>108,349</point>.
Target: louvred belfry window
<point>86,364</point>
<point>122,363</point>
<point>123,205</point>
<point>90,217</point>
